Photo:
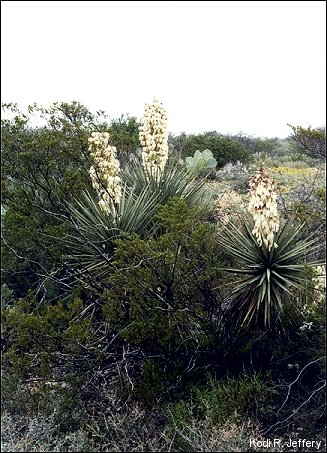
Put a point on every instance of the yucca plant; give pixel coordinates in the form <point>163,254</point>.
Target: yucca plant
<point>271,280</point>
<point>174,180</point>
<point>94,230</point>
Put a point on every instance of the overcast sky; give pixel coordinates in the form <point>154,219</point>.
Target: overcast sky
<point>230,66</point>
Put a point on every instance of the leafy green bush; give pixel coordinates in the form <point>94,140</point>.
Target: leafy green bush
<point>160,294</point>
<point>162,297</point>
<point>36,335</point>
<point>124,135</point>
<point>42,168</point>
<point>309,141</point>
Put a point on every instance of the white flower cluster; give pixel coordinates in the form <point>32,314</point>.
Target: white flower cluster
<point>306,325</point>
<point>104,175</point>
<point>154,137</point>
<point>263,207</point>
<point>319,283</point>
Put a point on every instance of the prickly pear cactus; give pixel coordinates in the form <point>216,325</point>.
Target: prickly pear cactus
<point>201,163</point>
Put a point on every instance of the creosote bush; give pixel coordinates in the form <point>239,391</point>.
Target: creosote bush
<point>159,303</point>
<point>157,279</point>
<point>38,339</point>
<point>160,294</point>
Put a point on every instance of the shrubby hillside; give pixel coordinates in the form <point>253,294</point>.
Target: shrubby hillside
<point>160,292</point>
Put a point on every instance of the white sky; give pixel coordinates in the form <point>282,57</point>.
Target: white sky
<point>230,66</point>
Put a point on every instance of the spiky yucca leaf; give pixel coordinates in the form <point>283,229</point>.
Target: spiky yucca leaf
<point>93,231</point>
<point>175,181</point>
<point>269,278</point>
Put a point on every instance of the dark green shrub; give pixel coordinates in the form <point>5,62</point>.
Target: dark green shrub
<point>124,135</point>
<point>309,141</point>
<point>36,336</point>
<point>161,293</point>
<point>161,290</point>
<point>223,148</point>
<point>42,168</point>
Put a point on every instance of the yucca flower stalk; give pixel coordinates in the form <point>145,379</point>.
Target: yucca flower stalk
<point>272,278</point>
<point>263,208</point>
<point>127,199</point>
<point>154,138</point>
<point>105,174</point>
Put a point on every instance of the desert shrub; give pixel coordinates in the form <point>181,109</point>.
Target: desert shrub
<point>237,174</point>
<point>165,277</point>
<point>44,340</point>
<point>223,148</point>
<point>42,168</point>
<point>218,406</point>
<point>159,301</point>
<point>258,144</point>
<point>309,141</point>
<point>228,205</point>
<point>161,294</point>
<point>124,133</point>
<point>307,202</point>
<point>48,358</point>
